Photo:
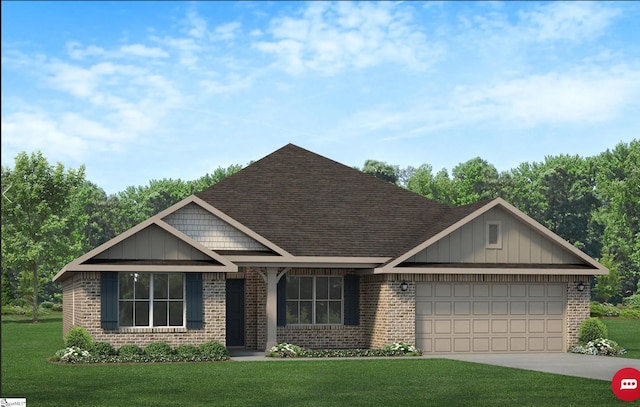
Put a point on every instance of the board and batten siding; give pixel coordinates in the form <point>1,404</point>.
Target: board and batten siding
<point>152,243</point>
<point>520,244</point>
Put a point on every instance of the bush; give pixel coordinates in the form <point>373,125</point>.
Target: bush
<point>630,313</point>
<point>213,351</point>
<point>103,349</point>
<point>130,350</point>
<point>78,337</point>
<point>401,348</point>
<point>285,350</point>
<point>187,352</point>
<point>57,307</point>
<point>71,354</point>
<point>158,350</point>
<point>592,329</point>
<point>603,310</point>
<point>600,346</point>
<point>633,301</point>
<point>47,305</point>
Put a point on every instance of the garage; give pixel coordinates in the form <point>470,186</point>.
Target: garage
<point>490,317</point>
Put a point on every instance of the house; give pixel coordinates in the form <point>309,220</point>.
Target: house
<point>298,248</point>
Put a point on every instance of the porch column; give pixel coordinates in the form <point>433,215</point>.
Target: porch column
<point>272,307</point>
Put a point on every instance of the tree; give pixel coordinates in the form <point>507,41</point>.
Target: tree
<point>7,288</point>
<point>474,180</point>
<point>38,235</point>
<point>382,170</point>
<point>608,286</point>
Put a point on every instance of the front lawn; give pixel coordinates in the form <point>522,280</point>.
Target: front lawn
<point>627,333</point>
<point>353,382</point>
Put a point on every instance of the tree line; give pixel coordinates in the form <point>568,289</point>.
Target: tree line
<point>51,215</point>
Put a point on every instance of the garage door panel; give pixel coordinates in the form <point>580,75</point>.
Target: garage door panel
<point>462,326</point>
<point>480,326</point>
<point>462,344</point>
<point>424,307</point>
<point>462,308</point>
<point>442,327</point>
<point>442,307</point>
<point>442,345</point>
<point>470,317</point>
<point>518,344</point>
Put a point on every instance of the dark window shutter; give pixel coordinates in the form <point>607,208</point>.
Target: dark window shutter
<point>109,300</point>
<point>193,282</point>
<point>351,299</point>
<point>282,301</point>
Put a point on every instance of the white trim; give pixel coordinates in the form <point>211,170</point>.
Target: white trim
<point>476,270</point>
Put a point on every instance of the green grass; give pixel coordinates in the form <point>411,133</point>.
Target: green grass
<point>354,382</point>
<point>627,333</point>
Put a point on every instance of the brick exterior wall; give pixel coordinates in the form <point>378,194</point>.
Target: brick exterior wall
<point>387,314</point>
<point>81,296</point>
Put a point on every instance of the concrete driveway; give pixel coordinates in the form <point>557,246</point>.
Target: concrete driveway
<point>570,364</point>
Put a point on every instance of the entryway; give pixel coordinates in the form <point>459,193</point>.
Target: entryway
<point>235,312</point>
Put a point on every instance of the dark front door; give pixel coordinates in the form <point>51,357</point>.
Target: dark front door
<point>235,312</point>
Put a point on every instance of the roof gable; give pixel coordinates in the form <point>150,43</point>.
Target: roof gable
<point>527,243</point>
<point>310,205</point>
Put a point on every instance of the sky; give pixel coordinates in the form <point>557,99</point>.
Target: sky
<point>141,91</point>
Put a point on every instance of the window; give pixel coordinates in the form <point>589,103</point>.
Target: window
<point>151,299</point>
<point>494,235</point>
<point>314,300</point>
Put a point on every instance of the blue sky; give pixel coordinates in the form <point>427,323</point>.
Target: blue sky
<point>137,91</point>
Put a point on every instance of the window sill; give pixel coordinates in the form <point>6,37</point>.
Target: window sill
<point>164,329</point>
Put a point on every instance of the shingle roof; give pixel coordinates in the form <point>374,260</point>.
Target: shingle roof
<point>310,205</point>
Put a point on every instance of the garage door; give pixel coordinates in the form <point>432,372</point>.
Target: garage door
<point>490,317</point>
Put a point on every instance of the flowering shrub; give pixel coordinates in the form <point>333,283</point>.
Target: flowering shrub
<point>402,348</point>
<point>72,354</point>
<point>600,346</point>
<point>284,350</point>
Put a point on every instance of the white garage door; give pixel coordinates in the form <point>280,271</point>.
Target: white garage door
<point>490,317</point>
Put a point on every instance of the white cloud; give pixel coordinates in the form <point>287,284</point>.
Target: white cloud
<point>226,32</point>
<point>573,21</point>
<point>143,51</point>
<point>332,37</point>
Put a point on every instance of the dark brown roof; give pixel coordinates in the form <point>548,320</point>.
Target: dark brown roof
<point>310,205</point>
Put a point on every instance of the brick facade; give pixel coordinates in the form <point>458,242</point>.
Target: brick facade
<point>387,314</point>
<point>82,308</point>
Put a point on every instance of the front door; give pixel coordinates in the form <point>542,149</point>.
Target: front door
<point>235,312</point>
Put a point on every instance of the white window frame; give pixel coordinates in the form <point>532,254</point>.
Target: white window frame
<point>151,301</point>
<point>314,300</point>
<point>498,243</point>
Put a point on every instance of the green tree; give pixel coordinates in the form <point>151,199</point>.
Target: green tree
<point>382,170</point>
<point>608,286</point>
<point>8,294</point>
<point>474,180</point>
<point>38,235</point>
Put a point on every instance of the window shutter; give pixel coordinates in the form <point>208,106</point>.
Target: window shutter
<point>109,300</point>
<point>193,283</point>
<point>351,299</point>
<point>282,301</point>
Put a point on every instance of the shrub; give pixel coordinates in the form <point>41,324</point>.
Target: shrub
<point>213,351</point>
<point>130,350</point>
<point>603,310</point>
<point>158,350</point>
<point>592,329</point>
<point>103,349</point>
<point>71,354</point>
<point>401,348</point>
<point>47,305</point>
<point>600,346</point>
<point>630,313</point>
<point>57,307</point>
<point>78,337</point>
<point>633,301</point>
<point>285,350</point>
<point>187,352</point>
